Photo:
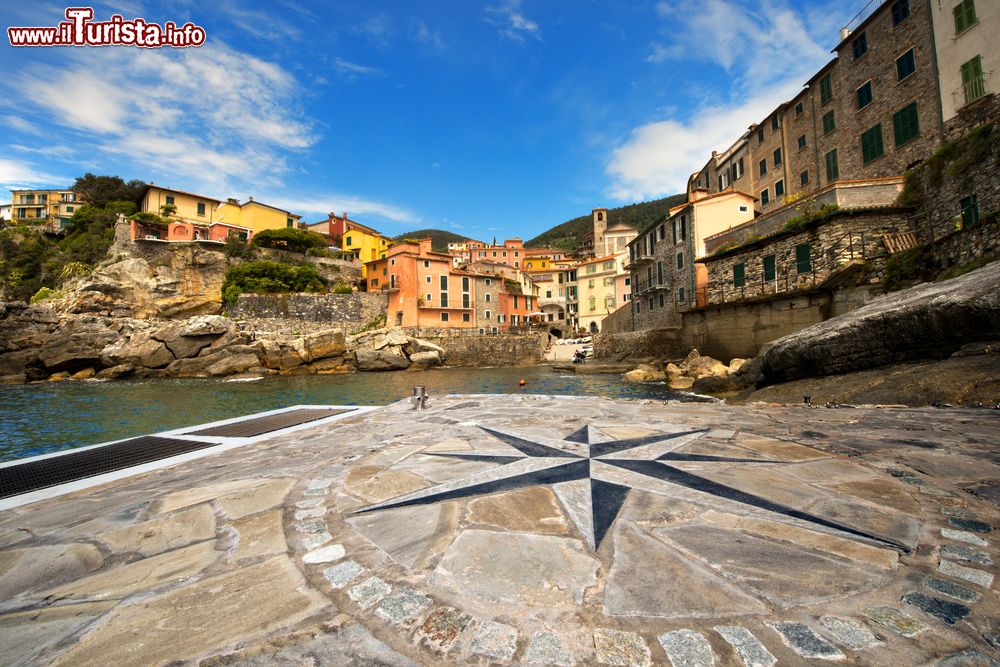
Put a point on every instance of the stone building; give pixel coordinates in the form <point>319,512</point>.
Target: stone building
<point>845,245</point>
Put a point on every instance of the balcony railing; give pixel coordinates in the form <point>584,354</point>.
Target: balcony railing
<point>863,15</point>
<point>970,91</point>
<point>639,259</point>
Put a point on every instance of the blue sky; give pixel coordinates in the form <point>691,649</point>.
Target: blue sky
<point>487,119</point>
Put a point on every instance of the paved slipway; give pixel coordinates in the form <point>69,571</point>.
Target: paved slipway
<point>530,530</point>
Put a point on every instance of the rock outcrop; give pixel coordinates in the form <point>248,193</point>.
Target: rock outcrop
<point>694,371</point>
<point>925,322</point>
<point>38,343</point>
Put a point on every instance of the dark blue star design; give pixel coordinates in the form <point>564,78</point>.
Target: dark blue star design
<point>587,455</point>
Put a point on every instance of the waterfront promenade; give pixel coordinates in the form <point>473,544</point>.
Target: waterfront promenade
<point>529,530</point>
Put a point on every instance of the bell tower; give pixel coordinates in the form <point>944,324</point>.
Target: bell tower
<point>600,226</point>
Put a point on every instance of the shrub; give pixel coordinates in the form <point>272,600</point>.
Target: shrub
<point>147,218</point>
<point>45,293</point>
<point>237,247</point>
<point>342,288</point>
<point>75,270</point>
<point>915,264</point>
<point>289,238</point>
<point>269,277</point>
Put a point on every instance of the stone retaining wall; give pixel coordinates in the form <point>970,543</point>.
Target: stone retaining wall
<point>649,343</point>
<point>491,350</point>
<point>309,312</point>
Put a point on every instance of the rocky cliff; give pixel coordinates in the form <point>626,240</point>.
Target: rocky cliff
<point>931,320</point>
<point>39,343</point>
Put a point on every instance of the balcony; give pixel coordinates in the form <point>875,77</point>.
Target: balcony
<point>642,258</point>
<point>640,286</point>
<point>971,90</point>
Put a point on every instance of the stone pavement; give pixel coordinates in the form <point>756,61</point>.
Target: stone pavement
<point>531,530</point>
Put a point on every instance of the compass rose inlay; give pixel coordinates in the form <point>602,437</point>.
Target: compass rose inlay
<point>587,468</point>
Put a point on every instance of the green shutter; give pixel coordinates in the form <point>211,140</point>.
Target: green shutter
<point>739,275</point>
<point>829,122</point>
<point>871,144</point>
<point>825,89</point>
<point>832,167</point>
<point>965,15</point>
<point>803,258</point>
<point>972,79</point>
<point>905,125</point>
<point>769,267</point>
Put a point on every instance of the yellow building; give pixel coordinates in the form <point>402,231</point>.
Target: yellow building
<point>188,207</point>
<point>256,215</point>
<point>52,208</point>
<point>597,289</point>
<point>364,242</point>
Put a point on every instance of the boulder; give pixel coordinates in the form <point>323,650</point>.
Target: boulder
<point>16,378</point>
<point>137,350</point>
<point>115,372</point>
<point>931,320</point>
<point>681,382</point>
<point>78,345</point>
<point>425,359</point>
<point>391,359</point>
<point>700,367</point>
<point>280,355</point>
<point>321,345</point>
<point>208,325</point>
<point>392,338</point>
<point>331,365</point>
<point>736,364</point>
<point>718,384</point>
<point>183,347</point>
<point>12,363</point>
<point>645,373</point>
<point>415,345</point>
<point>85,374</point>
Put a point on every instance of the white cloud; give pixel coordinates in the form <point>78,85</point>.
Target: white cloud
<point>212,116</point>
<point>511,23</point>
<point>378,29</point>
<point>22,125</point>
<point>425,35</point>
<point>19,174</point>
<point>772,44</point>
<point>262,25</point>
<point>351,70</point>
<point>320,205</point>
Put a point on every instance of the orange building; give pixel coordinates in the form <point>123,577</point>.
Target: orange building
<point>426,291</point>
<point>511,253</point>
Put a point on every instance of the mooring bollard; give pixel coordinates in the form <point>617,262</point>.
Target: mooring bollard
<point>419,398</point>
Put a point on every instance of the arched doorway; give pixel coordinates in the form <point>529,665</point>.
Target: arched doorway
<point>594,328</point>
<point>556,332</point>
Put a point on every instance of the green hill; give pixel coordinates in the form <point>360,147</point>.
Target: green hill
<point>439,237</point>
<point>567,235</point>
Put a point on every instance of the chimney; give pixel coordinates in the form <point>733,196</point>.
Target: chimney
<point>844,33</point>
<point>251,198</point>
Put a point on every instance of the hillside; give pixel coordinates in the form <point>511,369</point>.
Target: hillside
<point>567,235</point>
<point>439,237</point>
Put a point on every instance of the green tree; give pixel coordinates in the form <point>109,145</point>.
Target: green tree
<point>269,277</point>
<point>289,238</point>
<point>99,191</point>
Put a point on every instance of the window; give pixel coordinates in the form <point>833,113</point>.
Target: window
<point>661,233</point>
<point>763,167</point>
<point>900,11</point>
<point>489,297</point>
<point>777,156</point>
<point>201,208</point>
<point>684,233</point>
<point>465,301</point>
<point>970,210</point>
<point>593,302</point>
<point>965,16</point>
<point>680,260</point>
<point>804,178</point>
<point>829,122</point>
<point>590,283</point>
<point>739,275</point>
<point>348,241</point>
<point>860,45</point>
<point>69,209</point>
<point>429,279</point>
<point>444,283</point>
<point>488,314</point>
<point>779,188</point>
<point>488,282</point>
<point>802,142</point>
<point>799,109</point>
<point>289,222</point>
<point>465,317</point>
<point>905,125</point>
<point>743,208</point>
<point>680,295</point>
<point>865,95</point>
<point>774,123</point>
<point>609,281</point>
<point>825,89</point>
<point>465,284</point>
<point>374,282</point>
<point>427,264</point>
<point>515,302</point>
<point>973,84</point>
<point>444,299</point>
<point>803,258</point>
<point>905,65</point>
<point>659,273</point>
<point>444,317</point>
<point>871,144</point>
<point>760,136</point>
<point>170,200</point>
<point>765,197</point>
<point>738,171</point>
<point>661,300</point>
<point>769,268</point>
<point>832,168</point>
<point>428,297</point>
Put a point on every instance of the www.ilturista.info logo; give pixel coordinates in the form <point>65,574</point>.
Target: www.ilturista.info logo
<point>81,30</point>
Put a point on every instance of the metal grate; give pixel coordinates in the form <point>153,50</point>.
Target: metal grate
<point>34,475</point>
<point>269,423</point>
